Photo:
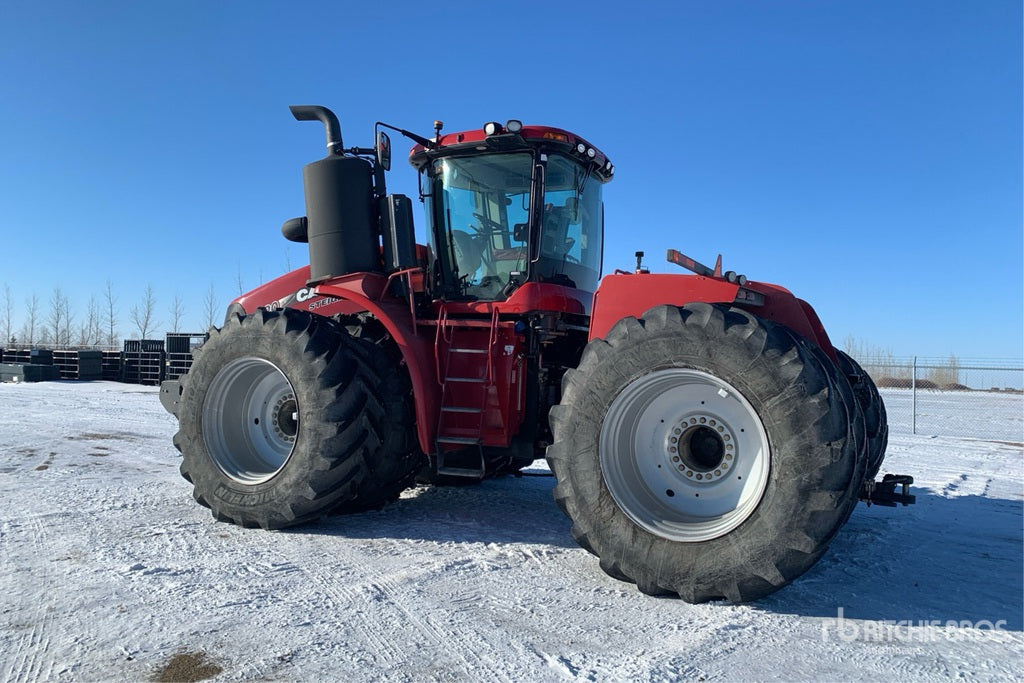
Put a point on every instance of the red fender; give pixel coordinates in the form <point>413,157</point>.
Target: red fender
<point>364,290</point>
<point>624,295</point>
<point>357,293</point>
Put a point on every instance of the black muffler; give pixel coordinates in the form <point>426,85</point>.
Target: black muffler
<point>341,219</point>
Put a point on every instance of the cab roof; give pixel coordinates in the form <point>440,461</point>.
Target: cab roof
<point>495,137</point>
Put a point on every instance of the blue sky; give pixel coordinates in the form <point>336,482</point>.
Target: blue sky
<point>867,155</point>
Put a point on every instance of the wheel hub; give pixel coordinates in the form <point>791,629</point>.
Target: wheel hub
<point>684,454</point>
<point>701,448</point>
<point>250,420</point>
<point>286,418</point>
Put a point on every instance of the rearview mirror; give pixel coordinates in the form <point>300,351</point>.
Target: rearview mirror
<point>384,151</point>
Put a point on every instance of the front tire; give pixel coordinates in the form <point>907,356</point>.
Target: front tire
<point>645,470</point>
<point>276,420</point>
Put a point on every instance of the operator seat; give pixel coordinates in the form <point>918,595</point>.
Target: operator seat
<point>554,233</point>
<point>468,253</point>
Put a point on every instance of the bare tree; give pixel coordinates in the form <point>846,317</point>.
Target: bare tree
<point>210,306</point>
<point>177,311</point>
<point>28,334</point>
<point>69,319</point>
<point>238,280</point>
<point>8,314</point>
<point>141,315</point>
<point>90,332</point>
<point>110,302</point>
<point>59,318</point>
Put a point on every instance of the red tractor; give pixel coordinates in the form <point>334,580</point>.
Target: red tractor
<point>707,438</point>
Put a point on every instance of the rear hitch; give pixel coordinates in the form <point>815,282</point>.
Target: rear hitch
<point>884,492</point>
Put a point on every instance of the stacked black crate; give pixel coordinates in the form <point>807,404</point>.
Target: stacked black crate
<point>40,357</point>
<point>18,356</point>
<point>179,352</point>
<point>90,364</point>
<point>81,364</point>
<point>28,365</point>
<point>64,360</point>
<point>111,366</point>
<point>27,372</point>
<point>143,361</point>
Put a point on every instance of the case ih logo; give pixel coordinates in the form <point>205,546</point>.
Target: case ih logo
<point>307,293</point>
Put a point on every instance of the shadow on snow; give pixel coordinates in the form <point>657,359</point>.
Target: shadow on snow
<point>945,559</point>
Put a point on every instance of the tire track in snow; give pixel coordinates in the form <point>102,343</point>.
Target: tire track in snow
<point>31,661</point>
<point>342,598</point>
<point>365,596</point>
<point>452,635</point>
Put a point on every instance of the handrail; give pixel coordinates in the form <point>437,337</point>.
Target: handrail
<point>442,322</point>
<point>405,273</point>
<point>490,345</point>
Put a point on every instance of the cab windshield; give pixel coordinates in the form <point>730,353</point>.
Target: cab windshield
<point>482,205</point>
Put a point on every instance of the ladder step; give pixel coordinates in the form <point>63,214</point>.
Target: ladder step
<point>471,380</point>
<point>459,409</point>
<point>461,472</point>
<point>456,350</point>
<point>463,440</point>
<point>460,469</point>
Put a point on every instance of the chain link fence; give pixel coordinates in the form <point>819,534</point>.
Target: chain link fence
<point>971,398</point>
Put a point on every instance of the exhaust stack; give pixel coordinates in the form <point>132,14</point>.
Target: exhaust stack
<point>313,112</point>
<point>342,223</point>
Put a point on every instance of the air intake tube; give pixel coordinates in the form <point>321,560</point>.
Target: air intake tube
<point>342,222</point>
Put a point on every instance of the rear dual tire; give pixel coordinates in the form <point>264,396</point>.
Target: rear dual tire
<point>875,419</point>
<point>655,405</point>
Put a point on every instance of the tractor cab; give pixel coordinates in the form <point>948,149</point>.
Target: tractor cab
<point>507,205</point>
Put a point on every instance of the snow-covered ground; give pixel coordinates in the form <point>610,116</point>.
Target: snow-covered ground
<point>968,414</point>
<point>109,570</point>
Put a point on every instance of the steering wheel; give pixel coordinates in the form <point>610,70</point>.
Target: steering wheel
<point>486,223</point>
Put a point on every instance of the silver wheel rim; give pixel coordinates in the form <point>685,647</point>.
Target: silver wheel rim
<point>684,455</point>
<point>250,419</point>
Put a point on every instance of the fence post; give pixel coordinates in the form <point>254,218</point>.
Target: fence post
<point>913,393</point>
